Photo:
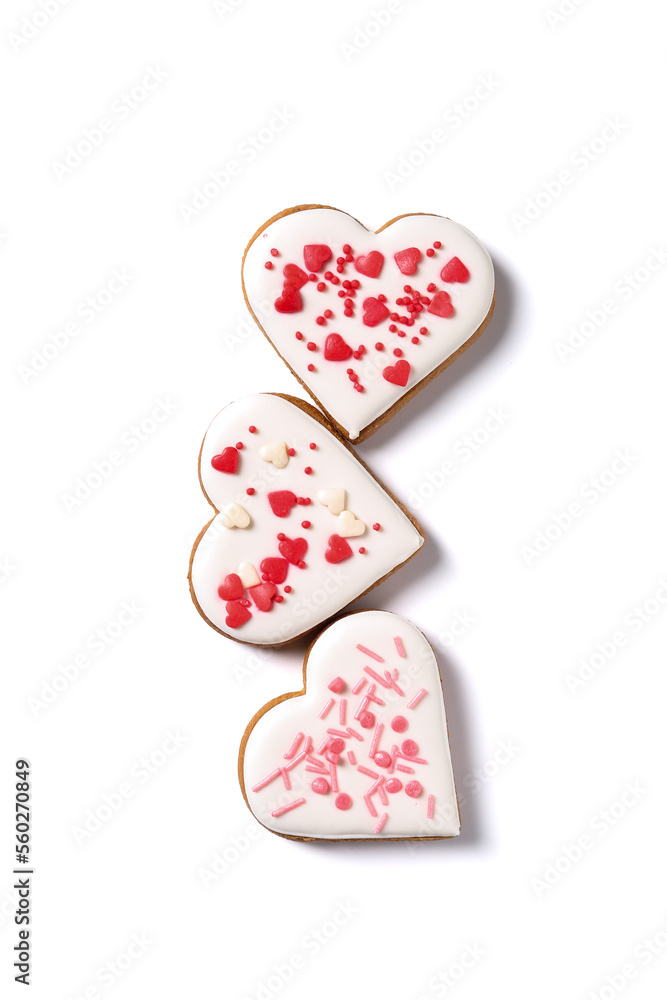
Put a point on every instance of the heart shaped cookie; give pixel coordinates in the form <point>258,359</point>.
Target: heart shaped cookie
<point>361,753</point>
<point>420,289</point>
<point>281,534</point>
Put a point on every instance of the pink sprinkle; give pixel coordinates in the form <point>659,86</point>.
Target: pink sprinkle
<point>351,757</point>
<point>369,652</point>
<point>294,746</point>
<point>376,677</point>
<point>355,734</point>
<point>414,701</point>
<point>342,709</point>
<point>267,780</point>
<point>430,809</point>
<point>320,786</point>
<point>334,777</point>
<point>370,694</point>
<point>362,707</point>
<point>284,809</point>
<point>371,808</point>
<point>323,745</point>
<point>287,783</point>
<point>400,648</point>
<point>337,732</point>
<point>374,787</point>
<point>316,770</point>
<point>309,744</point>
<point>297,760</point>
<point>368,772</point>
<point>359,685</point>
<point>327,708</point>
<point>314,761</point>
<point>406,770</point>
<point>383,819</point>
<point>394,755</point>
<point>337,685</point>
<point>376,739</point>
<point>343,801</point>
<point>391,681</point>
<point>383,795</point>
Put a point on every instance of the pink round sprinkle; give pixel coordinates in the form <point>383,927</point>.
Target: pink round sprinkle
<point>274,252</point>
<point>366,720</point>
<point>393,785</point>
<point>382,759</point>
<point>320,785</point>
<point>413,789</point>
<point>336,745</point>
<point>399,723</point>
<point>409,748</point>
<point>332,757</point>
<point>344,801</point>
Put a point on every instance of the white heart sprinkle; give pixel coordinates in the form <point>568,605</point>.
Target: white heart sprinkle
<point>235,516</point>
<point>349,526</point>
<point>247,574</point>
<point>276,453</point>
<point>334,500</point>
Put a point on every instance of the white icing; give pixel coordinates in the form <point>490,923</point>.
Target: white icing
<point>322,588</point>
<point>329,384</point>
<point>335,654</point>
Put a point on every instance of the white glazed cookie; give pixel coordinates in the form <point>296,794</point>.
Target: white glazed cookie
<point>365,319</point>
<point>301,529</point>
<point>362,752</point>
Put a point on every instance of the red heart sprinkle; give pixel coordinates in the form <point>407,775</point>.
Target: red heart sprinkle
<point>397,374</point>
<point>455,270</point>
<point>370,264</point>
<point>289,301</point>
<point>236,614</point>
<point>294,549</point>
<point>407,260</point>
<point>226,461</point>
<point>275,569</point>
<point>335,348</point>
<point>338,550</point>
<point>282,502</point>
<point>441,305</point>
<point>374,312</point>
<point>262,595</point>
<point>315,255</point>
<point>295,278</point>
<point>231,589</point>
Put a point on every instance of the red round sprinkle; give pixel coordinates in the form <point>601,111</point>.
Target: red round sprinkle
<point>252,429</point>
<point>328,275</point>
<point>291,452</point>
<point>437,244</point>
<point>335,280</point>
<point>393,785</point>
<point>423,330</point>
<point>328,314</point>
<point>308,470</point>
<point>430,253</point>
<point>268,265</point>
<point>366,720</point>
<point>340,269</point>
<point>382,298</point>
<point>311,346</point>
<point>273,252</point>
<point>298,335</point>
<point>265,577</point>
<point>348,312</point>
<point>358,387</point>
<point>356,355</point>
<point>320,785</point>
<point>287,588</point>
<point>279,598</point>
<point>239,445</point>
<point>431,287</point>
<point>343,800</point>
<point>320,322</point>
<point>341,294</point>
<point>348,257</point>
<point>311,368</point>
<point>398,353</point>
<point>251,491</point>
<point>393,328</point>
<point>312,277</point>
<point>351,292</point>
<point>382,759</point>
<point>409,748</point>
<point>281,536</point>
<point>356,283</point>
<point>312,446</point>
<point>407,288</point>
<point>305,524</point>
<point>399,723</point>
<point>321,286</point>
<point>336,745</point>
<point>349,371</point>
<point>413,788</point>
<point>379,346</point>
<point>377,526</point>
<point>306,501</point>
<point>348,302</point>
<point>415,340</point>
<point>401,333</point>
<point>301,564</point>
<point>362,550</point>
<point>347,248</point>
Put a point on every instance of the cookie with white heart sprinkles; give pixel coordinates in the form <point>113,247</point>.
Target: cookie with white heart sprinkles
<point>362,752</point>
<point>302,528</point>
<point>365,319</point>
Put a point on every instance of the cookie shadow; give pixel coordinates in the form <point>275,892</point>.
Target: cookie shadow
<point>473,357</point>
<point>431,558</point>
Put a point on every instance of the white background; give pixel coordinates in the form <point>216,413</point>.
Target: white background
<point>179,331</point>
